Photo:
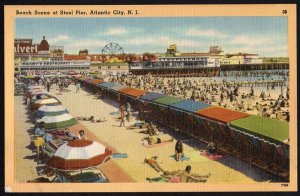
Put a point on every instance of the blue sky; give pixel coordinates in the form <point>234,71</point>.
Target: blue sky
<point>266,36</point>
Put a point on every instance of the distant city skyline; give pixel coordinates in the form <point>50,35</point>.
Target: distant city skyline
<point>266,36</point>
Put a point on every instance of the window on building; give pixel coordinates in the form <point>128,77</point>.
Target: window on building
<point>119,66</point>
<point>109,67</point>
<point>99,67</point>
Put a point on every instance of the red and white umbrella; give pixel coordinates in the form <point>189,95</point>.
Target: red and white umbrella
<point>79,154</point>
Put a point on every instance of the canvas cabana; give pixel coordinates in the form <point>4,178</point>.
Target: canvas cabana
<point>135,93</point>
<point>113,92</point>
<point>106,85</point>
<point>271,130</point>
<point>272,135</point>
<point>95,82</point>
<point>131,95</point>
<point>117,88</point>
<point>144,102</point>
<point>216,122</point>
<point>161,109</point>
<point>151,96</point>
<point>183,114</point>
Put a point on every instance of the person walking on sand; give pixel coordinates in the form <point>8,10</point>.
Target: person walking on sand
<point>128,110</point>
<point>48,86</point>
<point>77,87</point>
<point>122,123</point>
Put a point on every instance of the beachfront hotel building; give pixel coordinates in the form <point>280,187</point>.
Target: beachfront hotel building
<point>176,63</point>
<point>209,63</point>
<point>30,58</point>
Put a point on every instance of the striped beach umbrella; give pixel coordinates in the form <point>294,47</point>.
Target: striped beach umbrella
<point>35,92</point>
<point>58,121</point>
<point>38,92</point>
<point>44,95</point>
<point>48,110</point>
<point>41,102</point>
<point>79,154</point>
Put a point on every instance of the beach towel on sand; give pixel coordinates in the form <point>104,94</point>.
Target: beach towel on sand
<point>212,157</point>
<point>182,158</point>
<point>158,179</point>
<point>114,113</point>
<point>119,155</point>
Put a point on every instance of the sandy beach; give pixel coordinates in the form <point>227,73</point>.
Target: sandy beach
<point>84,104</point>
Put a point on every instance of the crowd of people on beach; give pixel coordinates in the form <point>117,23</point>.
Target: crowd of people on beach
<point>270,99</point>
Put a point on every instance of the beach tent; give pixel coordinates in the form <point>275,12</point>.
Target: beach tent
<point>79,154</point>
<point>160,108</point>
<point>135,92</point>
<point>117,87</point>
<point>124,90</point>
<point>221,114</point>
<point>47,110</point>
<point>167,100</point>
<point>107,85</point>
<point>189,106</point>
<point>272,130</point>
<point>181,113</point>
<point>95,81</point>
<point>58,121</point>
<point>151,96</point>
<point>41,102</point>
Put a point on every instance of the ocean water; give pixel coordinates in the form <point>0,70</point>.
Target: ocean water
<point>264,75</point>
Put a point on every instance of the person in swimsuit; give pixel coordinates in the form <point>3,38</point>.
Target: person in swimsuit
<point>178,150</point>
<point>156,140</point>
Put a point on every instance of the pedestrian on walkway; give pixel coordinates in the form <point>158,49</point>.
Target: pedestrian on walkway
<point>77,87</point>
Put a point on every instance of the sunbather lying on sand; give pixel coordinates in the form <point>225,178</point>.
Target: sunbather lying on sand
<point>154,163</point>
<point>92,119</point>
<point>185,176</point>
<point>155,140</point>
<point>151,130</point>
<point>86,118</point>
<point>138,125</point>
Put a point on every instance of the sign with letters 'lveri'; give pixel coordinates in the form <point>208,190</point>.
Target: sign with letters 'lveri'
<point>25,46</point>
